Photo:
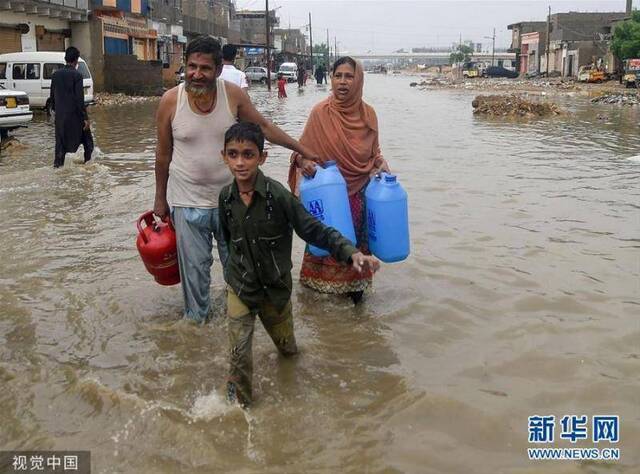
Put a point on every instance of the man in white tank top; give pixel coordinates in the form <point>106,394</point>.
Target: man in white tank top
<point>229,71</point>
<point>191,120</point>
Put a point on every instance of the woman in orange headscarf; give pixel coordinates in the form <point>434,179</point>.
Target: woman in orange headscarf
<point>345,129</point>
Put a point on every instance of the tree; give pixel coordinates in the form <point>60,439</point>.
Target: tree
<point>625,43</point>
<point>321,48</point>
<point>462,54</point>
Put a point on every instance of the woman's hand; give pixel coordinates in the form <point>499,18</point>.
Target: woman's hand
<point>360,261</point>
<point>308,167</point>
<point>382,167</point>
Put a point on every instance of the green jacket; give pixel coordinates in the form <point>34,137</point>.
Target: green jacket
<point>259,240</point>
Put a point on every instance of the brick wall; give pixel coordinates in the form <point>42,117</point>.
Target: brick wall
<point>127,74</point>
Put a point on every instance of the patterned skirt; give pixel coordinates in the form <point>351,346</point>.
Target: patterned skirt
<point>325,274</point>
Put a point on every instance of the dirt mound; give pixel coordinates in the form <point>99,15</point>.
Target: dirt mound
<point>512,106</point>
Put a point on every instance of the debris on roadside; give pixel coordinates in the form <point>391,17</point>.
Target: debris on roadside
<point>106,98</point>
<point>513,106</point>
<point>11,142</point>
<point>629,98</point>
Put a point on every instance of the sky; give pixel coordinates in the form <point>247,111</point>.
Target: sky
<point>382,26</point>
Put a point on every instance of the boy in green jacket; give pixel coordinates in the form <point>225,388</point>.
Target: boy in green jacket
<point>257,218</point>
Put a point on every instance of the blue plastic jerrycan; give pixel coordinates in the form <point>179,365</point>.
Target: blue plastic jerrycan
<point>325,197</point>
<point>387,218</point>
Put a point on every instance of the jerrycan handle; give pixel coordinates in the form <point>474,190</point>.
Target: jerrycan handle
<point>149,219</point>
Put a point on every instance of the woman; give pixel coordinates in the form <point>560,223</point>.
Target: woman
<point>345,129</point>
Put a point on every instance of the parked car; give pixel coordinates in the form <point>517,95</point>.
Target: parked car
<point>499,71</point>
<point>289,71</point>
<point>180,75</point>
<point>31,73</point>
<point>14,110</point>
<point>259,74</point>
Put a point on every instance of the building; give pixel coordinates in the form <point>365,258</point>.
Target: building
<point>532,50</point>
<point>290,45</point>
<point>165,17</point>
<point>206,17</point>
<point>578,39</point>
<point>123,47</point>
<point>253,26</point>
<point>575,39</point>
<point>48,25</point>
<point>518,30</point>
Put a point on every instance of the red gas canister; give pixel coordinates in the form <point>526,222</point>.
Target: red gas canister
<point>156,243</point>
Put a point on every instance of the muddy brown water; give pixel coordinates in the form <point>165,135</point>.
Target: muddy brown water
<point>520,298</point>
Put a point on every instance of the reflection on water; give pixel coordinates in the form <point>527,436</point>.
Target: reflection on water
<point>520,298</point>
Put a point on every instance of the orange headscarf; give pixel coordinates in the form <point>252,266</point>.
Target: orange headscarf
<point>345,131</point>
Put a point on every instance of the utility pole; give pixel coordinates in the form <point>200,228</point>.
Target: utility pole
<point>548,38</point>
<point>335,49</point>
<point>268,49</point>
<point>328,51</point>
<point>311,44</point>
<point>493,47</point>
<point>629,6</point>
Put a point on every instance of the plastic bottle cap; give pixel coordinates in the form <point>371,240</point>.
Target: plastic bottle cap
<point>390,178</point>
<point>326,164</point>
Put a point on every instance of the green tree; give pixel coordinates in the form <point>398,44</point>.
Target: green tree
<point>462,54</point>
<point>625,43</point>
<point>321,48</point>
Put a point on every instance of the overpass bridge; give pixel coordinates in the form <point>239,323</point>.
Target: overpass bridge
<point>431,59</point>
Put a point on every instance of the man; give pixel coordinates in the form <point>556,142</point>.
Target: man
<point>320,74</point>
<point>192,119</point>
<point>71,119</point>
<point>229,71</point>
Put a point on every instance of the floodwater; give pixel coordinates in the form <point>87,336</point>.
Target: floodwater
<point>520,298</point>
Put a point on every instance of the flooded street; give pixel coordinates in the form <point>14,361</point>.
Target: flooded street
<point>521,297</point>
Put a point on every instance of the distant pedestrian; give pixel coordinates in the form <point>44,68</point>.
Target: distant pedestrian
<point>282,83</point>
<point>320,75</point>
<point>229,72</point>
<point>71,119</point>
<point>301,74</point>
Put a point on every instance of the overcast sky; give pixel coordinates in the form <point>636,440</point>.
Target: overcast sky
<point>387,25</point>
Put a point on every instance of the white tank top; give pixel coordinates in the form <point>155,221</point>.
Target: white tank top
<point>197,172</point>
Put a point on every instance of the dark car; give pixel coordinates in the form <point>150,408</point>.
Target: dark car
<point>498,71</point>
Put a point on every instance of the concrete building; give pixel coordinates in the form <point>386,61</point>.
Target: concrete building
<point>165,17</point>
<point>290,45</point>
<point>578,39</point>
<point>532,50</point>
<point>123,49</point>
<point>518,30</point>
<point>46,25</point>
<point>253,26</point>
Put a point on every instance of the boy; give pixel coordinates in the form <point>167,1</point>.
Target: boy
<point>282,82</point>
<point>257,219</point>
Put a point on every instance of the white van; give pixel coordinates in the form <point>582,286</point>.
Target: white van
<point>31,73</point>
<point>289,71</point>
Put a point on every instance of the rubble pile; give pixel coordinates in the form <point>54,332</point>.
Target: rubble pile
<point>512,106</point>
<point>618,99</point>
<point>105,98</point>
